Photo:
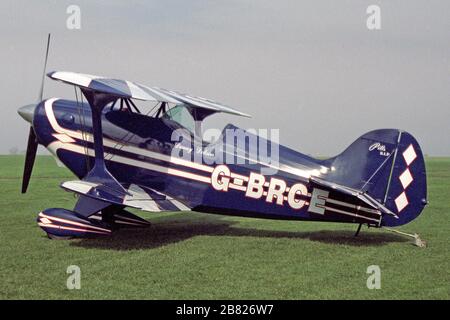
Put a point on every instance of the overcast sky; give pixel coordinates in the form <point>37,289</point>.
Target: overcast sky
<point>310,68</point>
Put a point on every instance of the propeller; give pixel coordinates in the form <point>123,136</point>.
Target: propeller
<point>32,140</point>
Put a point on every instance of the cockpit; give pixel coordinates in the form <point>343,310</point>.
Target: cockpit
<point>174,116</point>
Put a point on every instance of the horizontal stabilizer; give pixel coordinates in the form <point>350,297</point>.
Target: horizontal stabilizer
<point>354,193</point>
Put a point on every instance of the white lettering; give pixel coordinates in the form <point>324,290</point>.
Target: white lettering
<point>297,189</point>
<point>318,201</point>
<point>255,185</point>
<point>276,190</point>
<point>220,178</point>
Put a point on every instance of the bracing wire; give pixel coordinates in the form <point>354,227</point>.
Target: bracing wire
<point>80,108</point>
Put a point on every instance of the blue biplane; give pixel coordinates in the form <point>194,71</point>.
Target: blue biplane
<point>126,158</point>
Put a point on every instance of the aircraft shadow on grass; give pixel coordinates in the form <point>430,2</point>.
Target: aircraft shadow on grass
<point>178,229</point>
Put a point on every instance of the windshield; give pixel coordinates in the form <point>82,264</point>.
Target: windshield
<point>181,115</point>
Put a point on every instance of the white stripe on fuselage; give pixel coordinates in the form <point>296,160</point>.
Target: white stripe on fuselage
<point>56,145</point>
<point>159,156</point>
<point>112,143</point>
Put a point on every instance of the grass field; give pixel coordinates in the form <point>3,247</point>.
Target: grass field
<point>199,256</point>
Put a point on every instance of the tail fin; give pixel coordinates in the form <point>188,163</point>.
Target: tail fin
<point>388,165</point>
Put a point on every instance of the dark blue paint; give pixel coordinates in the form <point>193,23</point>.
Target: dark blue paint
<point>354,168</point>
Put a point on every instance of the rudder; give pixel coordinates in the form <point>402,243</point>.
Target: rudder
<point>407,189</point>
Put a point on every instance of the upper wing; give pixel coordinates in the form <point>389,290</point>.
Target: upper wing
<point>131,90</point>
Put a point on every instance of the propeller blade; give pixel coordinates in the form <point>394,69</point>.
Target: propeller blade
<point>41,93</point>
<point>29,159</point>
<point>32,141</point>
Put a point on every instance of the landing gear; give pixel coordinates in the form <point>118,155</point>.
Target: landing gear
<point>417,240</point>
<point>358,230</point>
<point>54,237</point>
<point>62,224</point>
<point>65,224</point>
<point>119,218</point>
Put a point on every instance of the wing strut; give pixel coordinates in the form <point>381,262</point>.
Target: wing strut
<point>99,173</point>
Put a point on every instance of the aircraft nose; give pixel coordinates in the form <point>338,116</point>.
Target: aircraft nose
<point>27,112</point>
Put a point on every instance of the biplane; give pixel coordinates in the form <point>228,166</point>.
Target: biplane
<point>124,158</point>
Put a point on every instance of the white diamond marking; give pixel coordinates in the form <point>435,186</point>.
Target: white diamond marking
<point>406,178</point>
<point>401,201</point>
<point>409,154</point>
